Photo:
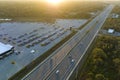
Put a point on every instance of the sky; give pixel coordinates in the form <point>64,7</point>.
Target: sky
<point>63,0</point>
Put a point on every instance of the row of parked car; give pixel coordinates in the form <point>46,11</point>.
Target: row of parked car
<point>47,39</point>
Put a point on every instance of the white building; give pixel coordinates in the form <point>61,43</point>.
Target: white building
<point>111,31</point>
<point>5,49</point>
<point>115,15</point>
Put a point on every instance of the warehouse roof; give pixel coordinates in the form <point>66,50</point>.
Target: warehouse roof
<point>4,48</point>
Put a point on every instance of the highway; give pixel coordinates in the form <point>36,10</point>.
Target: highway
<point>61,64</point>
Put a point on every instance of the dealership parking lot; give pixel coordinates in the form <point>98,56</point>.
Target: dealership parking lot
<point>30,40</point>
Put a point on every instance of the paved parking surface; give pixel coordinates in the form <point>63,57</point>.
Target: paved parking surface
<point>30,41</point>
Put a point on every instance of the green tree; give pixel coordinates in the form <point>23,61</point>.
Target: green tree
<point>99,53</point>
<point>116,62</point>
<point>99,77</point>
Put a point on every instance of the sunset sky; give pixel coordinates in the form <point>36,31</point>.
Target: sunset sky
<point>62,0</point>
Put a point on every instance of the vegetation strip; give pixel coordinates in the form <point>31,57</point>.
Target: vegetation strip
<point>104,60</point>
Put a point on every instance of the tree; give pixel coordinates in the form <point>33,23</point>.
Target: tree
<point>99,77</point>
<point>98,61</point>
<point>116,62</point>
<point>99,53</point>
<point>90,75</point>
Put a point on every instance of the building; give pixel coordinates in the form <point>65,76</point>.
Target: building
<point>115,15</point>
<point>111,31</point>
<point>5,49</point>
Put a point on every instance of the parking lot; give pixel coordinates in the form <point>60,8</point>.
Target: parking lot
<point>30,40</point>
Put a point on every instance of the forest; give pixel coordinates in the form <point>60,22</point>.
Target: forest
<point>113,23</point>
<point>116,9</point>
<point>104,60</point>
<point>41,10</point>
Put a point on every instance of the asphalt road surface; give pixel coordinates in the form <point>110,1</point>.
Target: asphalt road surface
<point>61,64</point>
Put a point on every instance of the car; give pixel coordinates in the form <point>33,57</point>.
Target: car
<point>1,57</point>
<point>33,51</point>
<point>51,39</point>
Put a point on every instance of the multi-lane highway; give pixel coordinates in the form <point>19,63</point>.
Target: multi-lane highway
<point>62,63</point>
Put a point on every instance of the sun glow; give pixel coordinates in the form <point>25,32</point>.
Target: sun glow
<point>55,2</point>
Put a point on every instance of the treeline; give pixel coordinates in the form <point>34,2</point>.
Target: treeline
<point>116,9</point>
<point>112,23</point>
<point>44,10</point>
<point>104,60</point>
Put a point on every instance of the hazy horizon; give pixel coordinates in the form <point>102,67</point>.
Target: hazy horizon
<point>62,0</point>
